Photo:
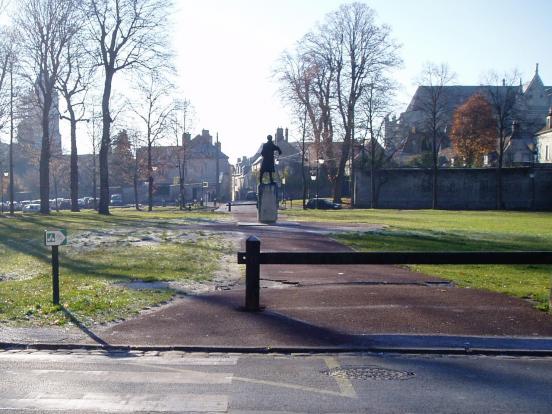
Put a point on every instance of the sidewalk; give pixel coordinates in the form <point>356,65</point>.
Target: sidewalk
<point>333,307</point>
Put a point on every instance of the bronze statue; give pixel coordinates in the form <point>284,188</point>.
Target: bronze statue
<point>268,158</point>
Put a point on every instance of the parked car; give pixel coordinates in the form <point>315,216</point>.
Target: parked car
<point>116,200</point>
<point>251,196</point>
<point>31,208</point>
<point>322,204</point>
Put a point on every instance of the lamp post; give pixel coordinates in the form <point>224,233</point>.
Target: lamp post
<point>313,178</point>
<point>4,174</point>
<point>319,162</point>
<point>284,190</point>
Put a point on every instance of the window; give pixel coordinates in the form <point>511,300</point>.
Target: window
<point>547,154</point>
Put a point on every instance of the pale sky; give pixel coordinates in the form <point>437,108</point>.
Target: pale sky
<point>226,50</point>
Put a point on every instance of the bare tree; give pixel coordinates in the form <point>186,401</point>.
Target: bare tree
<point>95,137</point>
<point>433,106</point>
<point>306,83</point>
<point>502,93</point>
<point>353,46</point>
<point>7,62</point>
<point>154,113</point>
<point>135,143</point>
<point>126,35</point>
<point>73,82</point>
<point>179,124</point>
<point>45,29</point>
<point>376,104</point>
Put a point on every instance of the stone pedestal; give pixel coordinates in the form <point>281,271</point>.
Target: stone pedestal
<point>267,207</point>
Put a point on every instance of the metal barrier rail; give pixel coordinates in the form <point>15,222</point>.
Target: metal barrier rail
<point>230,204</point>
<point>253,259</point>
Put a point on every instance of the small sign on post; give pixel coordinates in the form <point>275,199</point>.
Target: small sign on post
<point>55,238</point>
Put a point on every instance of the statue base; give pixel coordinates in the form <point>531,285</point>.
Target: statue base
<point>267,204</point>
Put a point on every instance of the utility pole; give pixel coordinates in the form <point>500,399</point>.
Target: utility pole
<point>217,186</point>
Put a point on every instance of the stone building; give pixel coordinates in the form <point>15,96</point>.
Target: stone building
<point>29,129</point>
<point>288,167</point>
<point>408,135</point>
<point>198,158</point>
<point>544,141</point>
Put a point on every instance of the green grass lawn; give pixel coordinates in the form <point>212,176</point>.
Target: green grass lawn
<point>430,230</point>
<point>104,254</point>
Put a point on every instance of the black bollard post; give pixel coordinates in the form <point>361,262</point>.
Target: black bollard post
<point>229,206</point>
<point>55,274</point>
<point>252,273</point>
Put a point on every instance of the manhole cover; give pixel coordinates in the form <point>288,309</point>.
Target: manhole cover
<point>366,373</point>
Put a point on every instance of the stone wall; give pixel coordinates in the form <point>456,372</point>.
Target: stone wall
<point>458,188</point>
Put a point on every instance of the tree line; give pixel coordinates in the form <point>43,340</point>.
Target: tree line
<point>84,52</point>
<point>337,83</point>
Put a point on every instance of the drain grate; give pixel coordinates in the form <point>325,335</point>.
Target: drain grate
<point>369,373</point>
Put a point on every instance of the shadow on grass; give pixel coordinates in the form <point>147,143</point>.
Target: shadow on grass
<point>83,328</point>
<point>389,240</point>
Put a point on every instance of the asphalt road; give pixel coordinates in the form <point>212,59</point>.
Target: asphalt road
<point>95,381</point>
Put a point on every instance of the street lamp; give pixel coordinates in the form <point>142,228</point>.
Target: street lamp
<point>284,190</point>
<point>319,162</point>
<point>4,174</point>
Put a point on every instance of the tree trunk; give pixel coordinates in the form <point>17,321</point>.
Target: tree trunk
<point>499,187</point>
<point>136,204</point>
<point>74,175</point>
<point>45,156</point>
<point>353,170</point>
<point>56,192</point>
<point>104,146</point>
<point>341,167</point>
<point>12,208</point>
<point>181,184</point>
<point>303,175</point>
<point>150,178</point>
<point>94,181</point>
<point>434,172</point>
<point>373,202</point>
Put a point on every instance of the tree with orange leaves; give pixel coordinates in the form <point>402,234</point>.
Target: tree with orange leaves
<point>473,132</point>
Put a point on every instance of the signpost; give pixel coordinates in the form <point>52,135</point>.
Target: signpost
<point>55,238</point>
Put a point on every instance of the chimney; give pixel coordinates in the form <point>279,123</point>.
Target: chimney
<point>206,136</point>
<point>549,119</point>
<point>503,81</point>
<point>279,137</point>
<point>287,135</point>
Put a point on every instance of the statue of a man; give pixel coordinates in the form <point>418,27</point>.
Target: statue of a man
<point>268,158</point>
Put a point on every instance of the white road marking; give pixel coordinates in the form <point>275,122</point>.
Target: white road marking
<point>118,403</point>
<point>345,386</point>
<point>129,377</point>
<point>287,385</point>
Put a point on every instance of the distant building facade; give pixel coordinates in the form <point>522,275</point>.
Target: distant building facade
<point>198,158</point>
<point>544,141</point>
<point>29,129</point>
<point>407,135</point>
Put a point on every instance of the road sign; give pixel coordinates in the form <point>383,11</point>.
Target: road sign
<point>55,237</point>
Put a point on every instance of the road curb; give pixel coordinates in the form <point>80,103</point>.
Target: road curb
<point>280,349</point>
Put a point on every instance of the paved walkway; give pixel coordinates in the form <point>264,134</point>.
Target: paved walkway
<point>334,306</point>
